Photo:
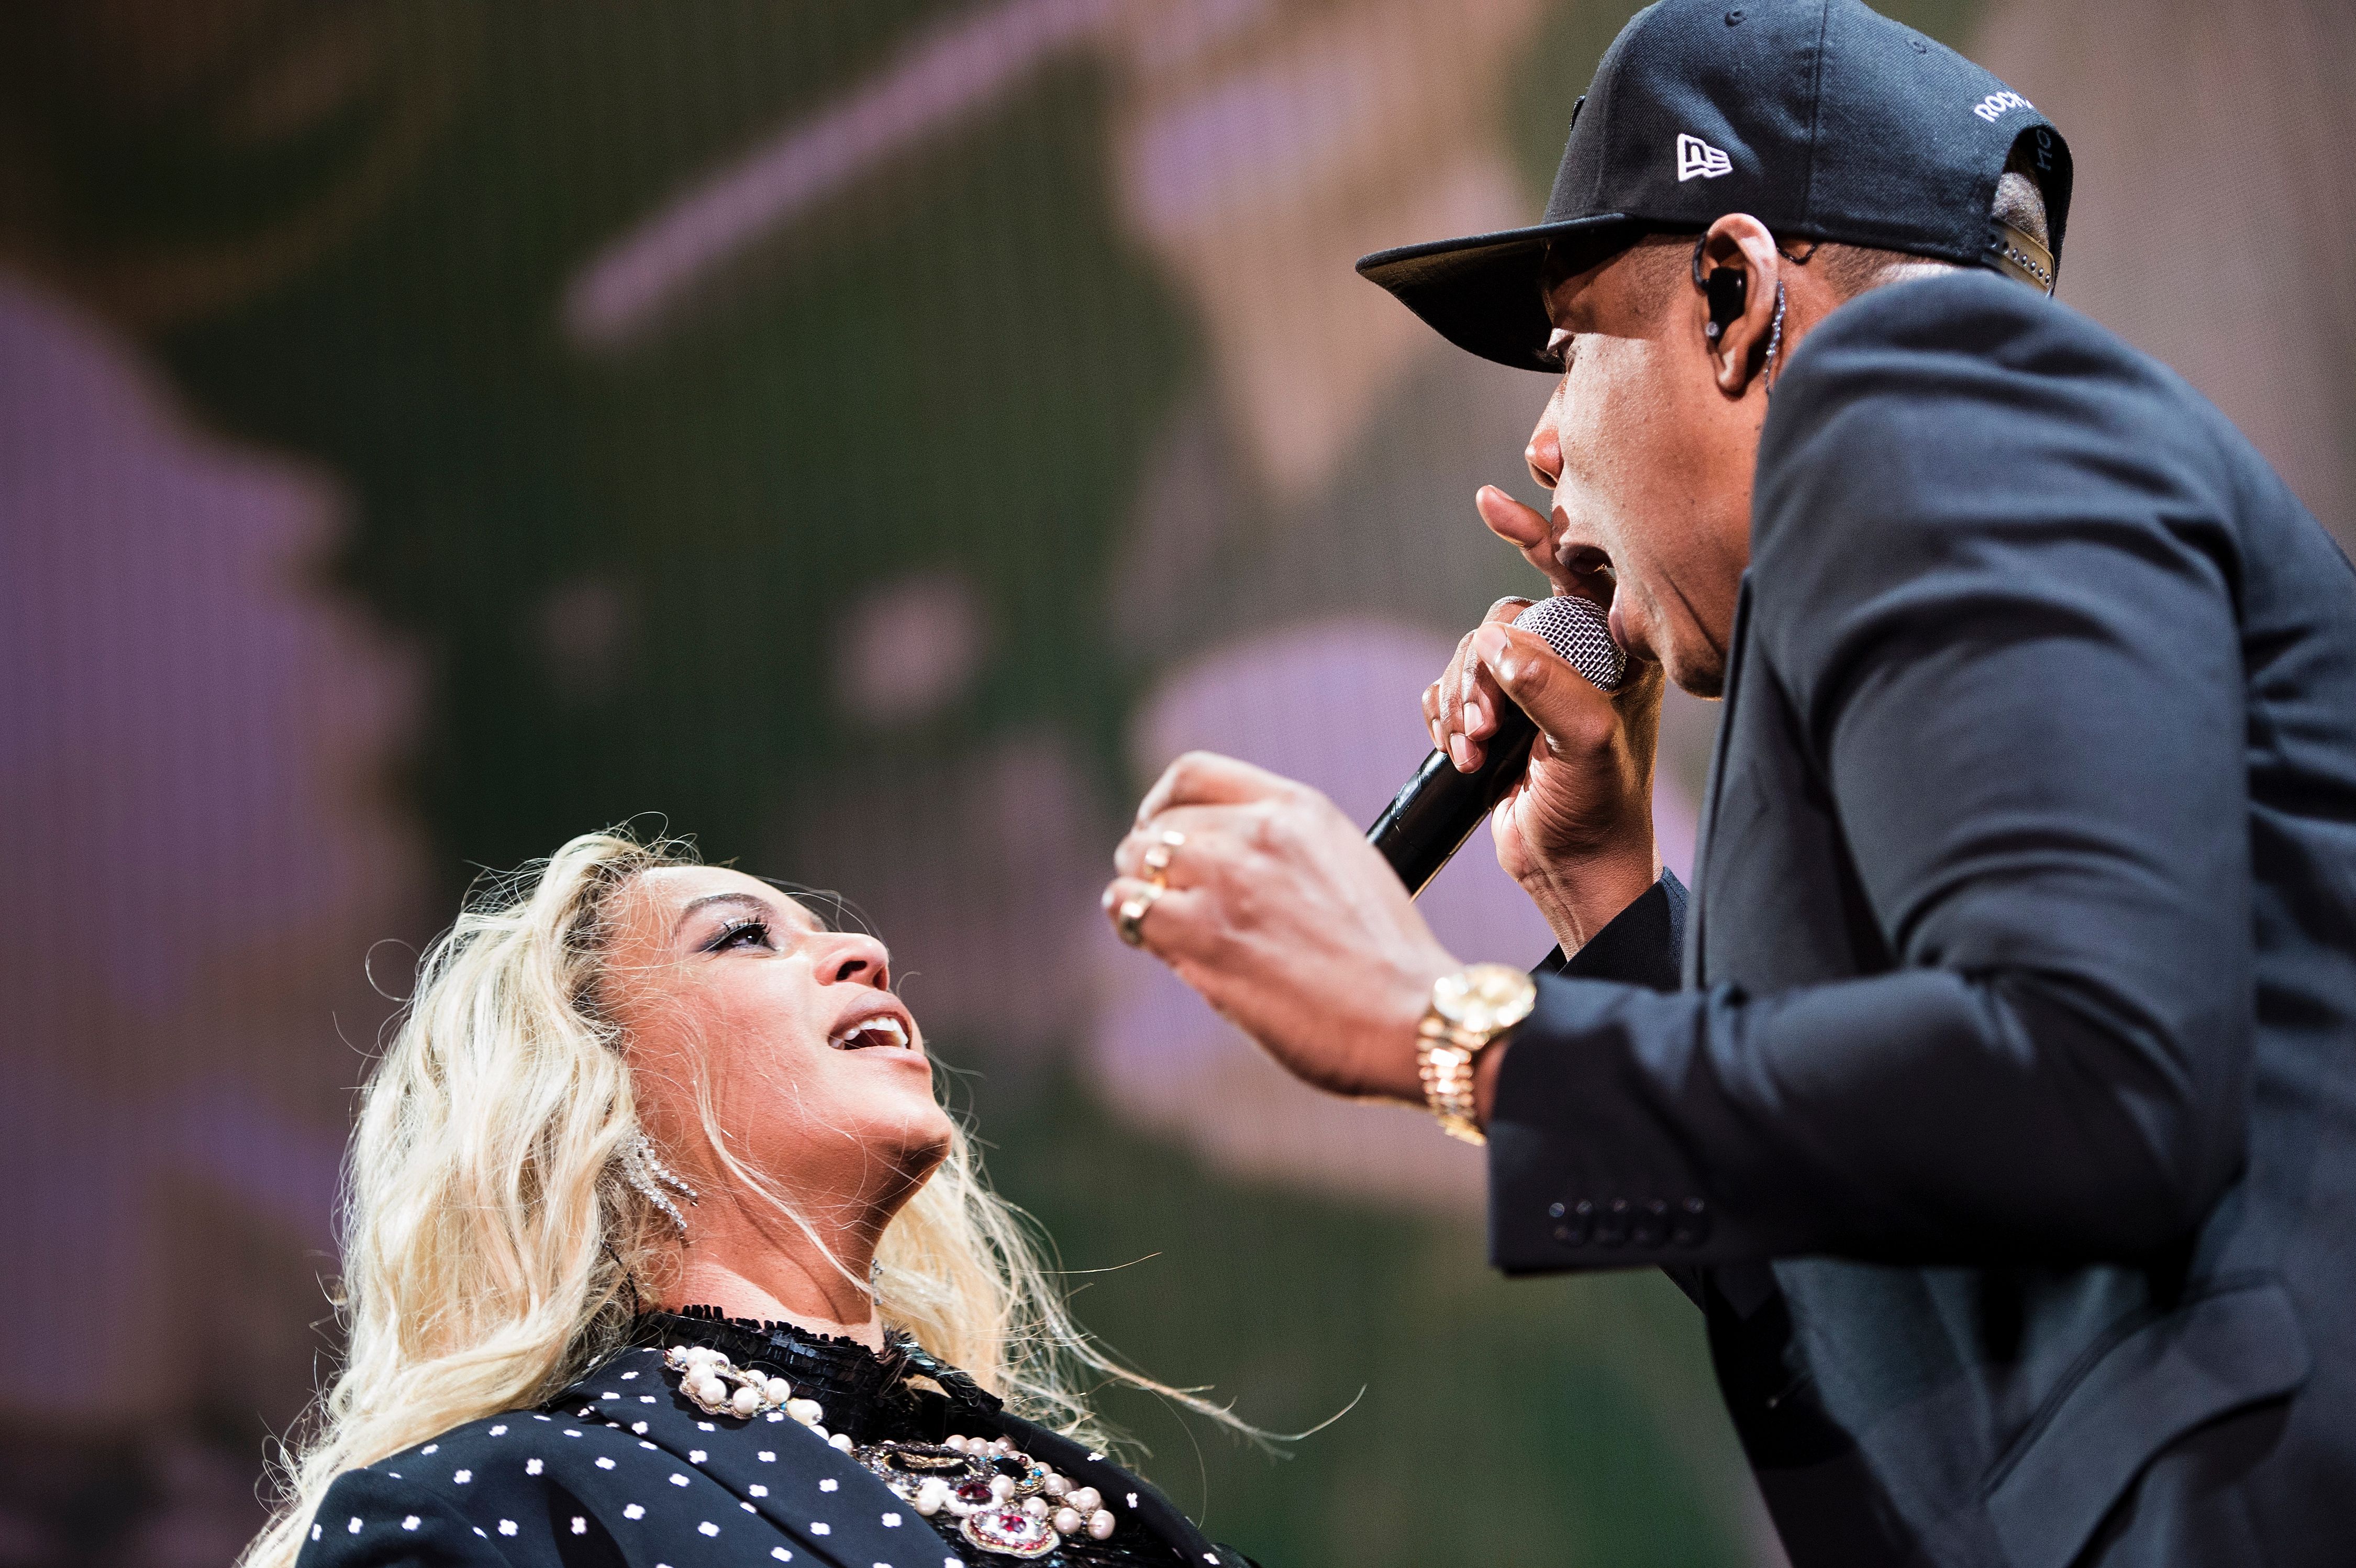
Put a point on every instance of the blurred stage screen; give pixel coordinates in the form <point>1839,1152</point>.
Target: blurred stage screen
<point>874,439</point>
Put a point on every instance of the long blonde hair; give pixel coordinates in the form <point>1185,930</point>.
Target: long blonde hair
<point>495,1242</point>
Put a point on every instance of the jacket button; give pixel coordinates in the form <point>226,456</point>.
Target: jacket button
<point>1611,1225</point>
<point>1578,1224</point>
<point>1692,1227</point>
<point>1652,1226</point>
<point>1554,1211</point>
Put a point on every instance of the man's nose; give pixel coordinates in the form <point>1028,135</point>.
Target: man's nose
<point>851,958</point>
<point>1544,454</point>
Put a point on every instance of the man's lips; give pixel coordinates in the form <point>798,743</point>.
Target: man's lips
<point>1594,579</point>
<point>886,1025</point>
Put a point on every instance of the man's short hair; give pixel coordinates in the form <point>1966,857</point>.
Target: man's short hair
<point>1853,269</point>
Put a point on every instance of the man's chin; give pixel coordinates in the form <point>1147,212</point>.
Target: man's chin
<point>1703,676</point>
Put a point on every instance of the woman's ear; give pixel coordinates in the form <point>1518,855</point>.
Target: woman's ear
<point>1736,273</point>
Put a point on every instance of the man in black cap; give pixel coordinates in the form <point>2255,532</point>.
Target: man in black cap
<point>2003,1118</point>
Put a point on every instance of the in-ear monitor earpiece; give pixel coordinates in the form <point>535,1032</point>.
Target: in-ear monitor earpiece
<point>1729,291</point>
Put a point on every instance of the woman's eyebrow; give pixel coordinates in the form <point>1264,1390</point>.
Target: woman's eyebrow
<point>750,900</point>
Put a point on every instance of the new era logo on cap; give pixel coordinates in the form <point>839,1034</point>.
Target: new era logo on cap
<point>1697,159</point>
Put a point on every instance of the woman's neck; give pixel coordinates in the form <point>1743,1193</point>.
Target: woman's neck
<point>766,1269</point>
<point>733,1295</point>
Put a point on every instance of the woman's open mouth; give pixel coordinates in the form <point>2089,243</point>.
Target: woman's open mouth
<point>883,1029</point>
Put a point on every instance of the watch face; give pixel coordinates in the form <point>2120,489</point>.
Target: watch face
<point>1486,998</point>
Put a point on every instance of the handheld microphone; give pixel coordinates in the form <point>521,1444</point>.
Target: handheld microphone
<point>1428,820</point>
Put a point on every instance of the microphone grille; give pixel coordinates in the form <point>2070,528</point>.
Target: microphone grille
<point>1575,628</point>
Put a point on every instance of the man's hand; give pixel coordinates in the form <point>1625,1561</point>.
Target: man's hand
<point>1576,831</point>
<point>1287,921</point>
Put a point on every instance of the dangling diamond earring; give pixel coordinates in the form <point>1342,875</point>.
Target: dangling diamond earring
<point>641,1163</point>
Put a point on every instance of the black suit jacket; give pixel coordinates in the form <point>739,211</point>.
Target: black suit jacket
<point>2005,1122</point>
<point>621,1470</point>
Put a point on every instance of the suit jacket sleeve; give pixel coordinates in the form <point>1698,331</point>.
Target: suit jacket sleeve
<point>1993,596</point>
<point>1643,944</point>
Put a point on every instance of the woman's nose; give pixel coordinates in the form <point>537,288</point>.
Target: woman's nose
<point>853,959</point>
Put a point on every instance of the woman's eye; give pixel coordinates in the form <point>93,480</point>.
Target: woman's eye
<point>742,934</point>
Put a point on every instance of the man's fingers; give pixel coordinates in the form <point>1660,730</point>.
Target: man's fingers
<point>1204,777</point>
<point>1523,528</point>
<point>1163,922</point>
<point>1574,714</point>
<point>1203,833</point>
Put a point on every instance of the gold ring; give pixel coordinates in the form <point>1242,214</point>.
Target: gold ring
<point>1157,859</point>
<point>1130,920</point>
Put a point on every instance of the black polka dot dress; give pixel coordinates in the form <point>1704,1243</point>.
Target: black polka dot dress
<point>625,1468</point>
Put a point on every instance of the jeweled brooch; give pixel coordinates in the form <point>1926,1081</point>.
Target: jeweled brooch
<point>1003,1499</point>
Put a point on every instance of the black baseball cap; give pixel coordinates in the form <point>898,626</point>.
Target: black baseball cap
<point>1823,119</point>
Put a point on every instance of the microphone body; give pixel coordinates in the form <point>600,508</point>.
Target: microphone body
<point>1428,820</point>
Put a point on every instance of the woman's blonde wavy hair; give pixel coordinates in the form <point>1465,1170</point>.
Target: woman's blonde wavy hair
<point>495,1244</point>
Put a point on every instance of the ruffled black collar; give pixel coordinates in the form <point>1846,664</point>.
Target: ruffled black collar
<point>866,1394</point>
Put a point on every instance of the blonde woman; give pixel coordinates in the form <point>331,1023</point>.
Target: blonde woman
<point>661,1251</point>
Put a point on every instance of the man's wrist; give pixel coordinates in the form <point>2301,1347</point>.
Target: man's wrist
<point>1484,1080</point>
<point>1391,1070</point>
<point>1581,897</point>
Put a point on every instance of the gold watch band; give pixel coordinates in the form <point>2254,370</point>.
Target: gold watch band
<point>1445,1058</point>
<point>1469,1012</point>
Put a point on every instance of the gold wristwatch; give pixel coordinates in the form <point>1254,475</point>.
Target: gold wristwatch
<point>1468,1011</point>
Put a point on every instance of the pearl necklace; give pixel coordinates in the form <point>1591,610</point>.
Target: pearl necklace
<point>1004,1500</point>
<point>716,1386</point>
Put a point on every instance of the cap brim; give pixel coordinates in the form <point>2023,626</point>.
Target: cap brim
<point>1483,292</point>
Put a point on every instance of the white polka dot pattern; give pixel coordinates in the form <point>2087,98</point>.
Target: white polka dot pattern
<point>614,1468</point>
